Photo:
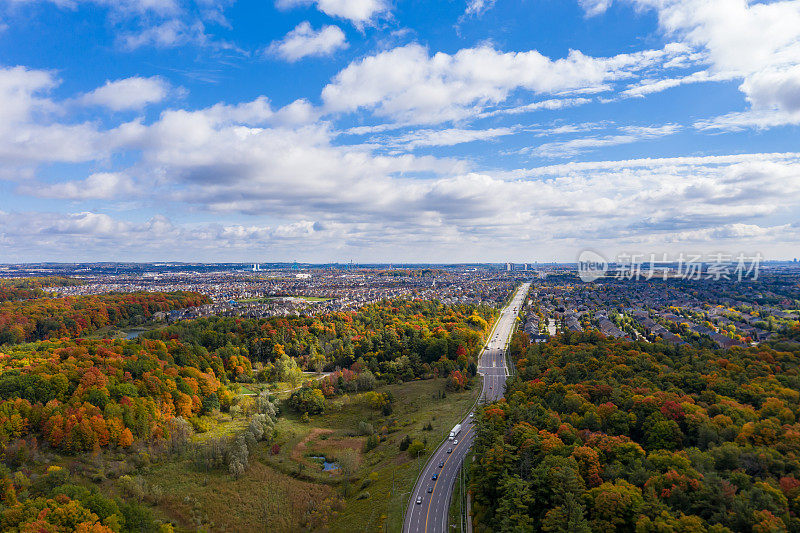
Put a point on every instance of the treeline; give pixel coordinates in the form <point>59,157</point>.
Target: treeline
<point>395,340</point>
<point>598,434</point>
<point>72,316</point>
<point>84,394</point>
<point>27,288</point>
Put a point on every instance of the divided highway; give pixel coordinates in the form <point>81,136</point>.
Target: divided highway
<point>430,515</point>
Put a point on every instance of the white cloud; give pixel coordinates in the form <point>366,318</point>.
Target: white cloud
<point>128,94</point>
<point>159,23</point>
<point>101,185</point>
<point>409,85</point>
<point>649,86</point>
<point>739,35</point>
<point>663,204</point>
<point>595,7</point>
<point>630,134</point>
<point>774,97</point>
<point>759,42</point>
<point>304,41</point>
<point>478,7</point>
<point>159,7</point>
<point>446,137</point>
<point>167,34</point>
<point>30,133</point>
<point>549,104</point>
<point>758,119</point>
<point>358,12</point>
<point>777,89</point>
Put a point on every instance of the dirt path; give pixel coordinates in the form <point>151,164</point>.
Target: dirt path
<point>299,451</point>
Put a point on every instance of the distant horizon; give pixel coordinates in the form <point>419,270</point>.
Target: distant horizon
<point>344,263</point>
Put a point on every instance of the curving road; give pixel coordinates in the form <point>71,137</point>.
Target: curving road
<point>430,516</point>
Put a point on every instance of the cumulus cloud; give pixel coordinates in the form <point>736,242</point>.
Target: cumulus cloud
<point>128,94</point>
<point>697,200</point>
<point>407,84</point>
<point>30,132</point>
<point>304,41</point>
<point>777,89</point>
<point>758,42</point>
<point>359,12</point>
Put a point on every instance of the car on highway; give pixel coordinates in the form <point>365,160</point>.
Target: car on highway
<point>449,450</point>
<point>433,477</point>
<point>419,500</point>
<point>441,464</point>
<point>472,415</point>
<point>430,489</point>
<point>455,442</point>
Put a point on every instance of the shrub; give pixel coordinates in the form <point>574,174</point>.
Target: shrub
<point>307,400</point>
<point>372,441</point>
<point>238,456</point>
<point>201,424</point>
<point>416,448</point>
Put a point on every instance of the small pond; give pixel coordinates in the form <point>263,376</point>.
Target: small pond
<point>327,466</point>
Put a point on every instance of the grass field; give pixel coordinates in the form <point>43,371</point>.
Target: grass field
<point>289,491</point>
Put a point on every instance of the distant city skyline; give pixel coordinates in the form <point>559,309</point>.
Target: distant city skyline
<point>389,131</point>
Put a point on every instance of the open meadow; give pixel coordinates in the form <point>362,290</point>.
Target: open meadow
<point>285,486</point>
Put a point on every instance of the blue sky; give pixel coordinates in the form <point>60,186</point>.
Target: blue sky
<point>378,130</point>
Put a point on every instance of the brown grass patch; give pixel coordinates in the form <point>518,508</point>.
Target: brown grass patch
<point>263,499</point>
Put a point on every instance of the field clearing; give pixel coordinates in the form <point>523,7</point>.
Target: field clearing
<point>263,499</point>
<point>289,491</point>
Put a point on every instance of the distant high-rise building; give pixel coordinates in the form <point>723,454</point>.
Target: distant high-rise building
<point>509,267</point>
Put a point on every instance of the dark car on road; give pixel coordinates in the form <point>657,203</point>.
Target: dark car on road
<point>434,476</point>
<point>430,489</point>
<point>441,464</point>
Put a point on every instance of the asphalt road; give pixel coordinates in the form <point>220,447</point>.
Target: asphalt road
<point>430,516</point>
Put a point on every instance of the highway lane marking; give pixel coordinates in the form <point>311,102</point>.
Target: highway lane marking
<point>437,481</point>
<point>485,354</point>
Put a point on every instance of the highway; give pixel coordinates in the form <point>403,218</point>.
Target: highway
<point>430,516</point>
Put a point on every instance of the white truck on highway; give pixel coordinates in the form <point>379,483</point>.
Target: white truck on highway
<point>456,431</point>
